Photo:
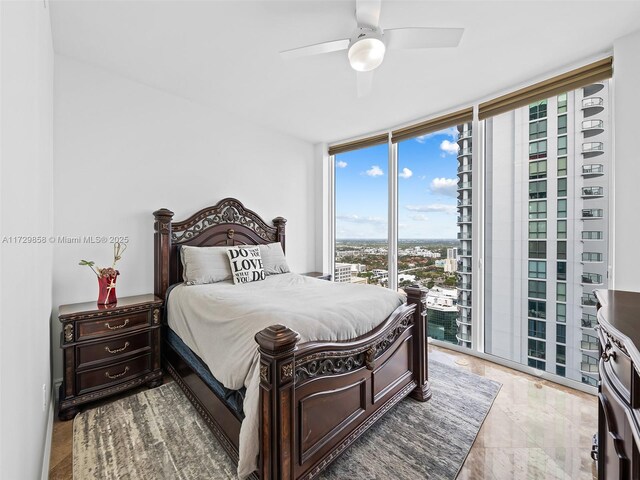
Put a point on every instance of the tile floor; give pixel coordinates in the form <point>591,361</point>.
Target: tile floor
<point>535,429</point>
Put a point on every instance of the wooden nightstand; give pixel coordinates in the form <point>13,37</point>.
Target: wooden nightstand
<point>108,349</point>
<point>320,275</point>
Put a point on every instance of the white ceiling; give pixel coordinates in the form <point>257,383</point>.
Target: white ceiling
<point>225,54</point>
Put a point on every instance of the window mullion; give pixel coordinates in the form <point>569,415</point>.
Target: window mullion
<point>329,263</point>
<point>477,229</point>
<point>392,231</point>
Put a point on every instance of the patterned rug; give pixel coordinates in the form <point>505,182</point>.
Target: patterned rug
<point>157,434</point>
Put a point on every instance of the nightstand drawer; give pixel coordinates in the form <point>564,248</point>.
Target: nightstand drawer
<point>112,349</point>
<point>112,325</point>
<point>112,373</point>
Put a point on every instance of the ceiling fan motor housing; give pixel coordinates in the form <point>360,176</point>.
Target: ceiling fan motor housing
<point>366,49</point>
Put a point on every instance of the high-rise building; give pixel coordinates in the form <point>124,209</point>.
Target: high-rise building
<point>342,272</point>
<point>450,264</point>
<point>463,253</point>
<point>546,170</point>
<point>442,312</point>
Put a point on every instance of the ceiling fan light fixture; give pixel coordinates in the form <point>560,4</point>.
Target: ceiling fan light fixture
<point>366,51</point>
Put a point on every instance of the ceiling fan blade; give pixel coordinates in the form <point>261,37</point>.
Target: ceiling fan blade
<point>422,37</point>
<point>365,83</point>
<point>368,13</point>
<point>318,48</point>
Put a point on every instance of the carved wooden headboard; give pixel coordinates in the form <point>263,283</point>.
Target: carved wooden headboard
<point>226,223</point>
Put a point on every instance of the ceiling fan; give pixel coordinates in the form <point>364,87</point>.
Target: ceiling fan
<point>367,46</point>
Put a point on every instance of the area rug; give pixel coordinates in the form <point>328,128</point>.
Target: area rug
<point>157,434</point>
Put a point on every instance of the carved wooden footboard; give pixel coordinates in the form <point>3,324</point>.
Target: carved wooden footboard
<point>318,397</point>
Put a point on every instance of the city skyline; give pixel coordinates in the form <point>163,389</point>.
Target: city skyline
<point>427,182</point>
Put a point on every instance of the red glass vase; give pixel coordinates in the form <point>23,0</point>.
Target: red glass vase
<point>107,289</point>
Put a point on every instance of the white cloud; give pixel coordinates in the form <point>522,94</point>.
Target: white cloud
<point>419,217</point>
<point>449,147</point>
<point>406,173</point>
<point>450,132</point>
<point>341,164</point>
<point>444,186</point>
<point>359,219</point>
<point>433,207</point>
<point>374,171</point>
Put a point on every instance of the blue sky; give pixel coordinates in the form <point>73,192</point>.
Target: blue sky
<point>427,169</point>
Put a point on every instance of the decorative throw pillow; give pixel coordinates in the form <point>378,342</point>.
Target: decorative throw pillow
<point>202,265</point>
<point>273,259</point>
<point>246,264</point>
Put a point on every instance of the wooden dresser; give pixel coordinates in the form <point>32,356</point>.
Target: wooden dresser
<point>619,389</point>
<point>108,349</point>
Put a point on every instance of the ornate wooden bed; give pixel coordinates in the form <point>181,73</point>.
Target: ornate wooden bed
<point>316,398</point>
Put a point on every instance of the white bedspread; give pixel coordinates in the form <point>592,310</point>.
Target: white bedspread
<point>219,321</point>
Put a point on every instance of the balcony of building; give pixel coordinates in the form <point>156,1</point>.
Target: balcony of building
<point>592,89</point>
<point>464,253</point>
<point>464,134</point>
<point>464,338</point>
<point>464,219</point>
<point>464,269</point>
<point>589,346</point>
<point>464,152</point>
<point>588,300</point>
<point>464,235</point>
<point>591,128</point>
<point>464,302</point>
<point>592,213</point>
<point>592,149</point>
<point>592,170</point>
<point>591,279</point>
<point>463,319</point>
<point>590,368</point>
<point>591,257</point>
<point>592,106</point>
<point>464,202</point>
<point>464,186</point>
<point>464,167</point>
<point>592,235</point>
<point>588,321</point>
<point>592,192</point>
<point>464,286</point>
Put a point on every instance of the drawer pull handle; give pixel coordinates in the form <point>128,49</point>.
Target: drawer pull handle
<point>117,350</point>
<point>607,353</point>
<point>117,375</point>
<point>122,325</point>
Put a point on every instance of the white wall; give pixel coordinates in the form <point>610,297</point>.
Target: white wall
<point>123,150</point>
<point>626,74</point>
<point>26,159</point>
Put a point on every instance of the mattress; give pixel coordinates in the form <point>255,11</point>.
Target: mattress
<point>232,398</point>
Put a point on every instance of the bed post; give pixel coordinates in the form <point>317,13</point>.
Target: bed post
<point>161,247</point>
<point>417,296</point>
<point>278,345</point>
<point>280,224</point>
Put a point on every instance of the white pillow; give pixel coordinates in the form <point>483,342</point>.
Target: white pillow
<point>273,259</point>
<point>246,264</point>
<point>204,265</point>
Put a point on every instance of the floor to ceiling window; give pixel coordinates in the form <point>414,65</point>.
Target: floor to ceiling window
<point>547,171</point>
<point>361,208</point>
<point>428,237</point>
<point>510,237</point>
